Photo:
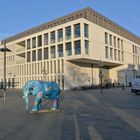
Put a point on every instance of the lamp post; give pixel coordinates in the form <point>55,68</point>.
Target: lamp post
<point>4,50</point>
<point>9,81</point>
<point>92,74</point>
<point>101,74</point>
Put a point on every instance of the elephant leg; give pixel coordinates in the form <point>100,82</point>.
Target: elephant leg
<point>37,103</point>
<point>40,104</point>
<point>55,104</point>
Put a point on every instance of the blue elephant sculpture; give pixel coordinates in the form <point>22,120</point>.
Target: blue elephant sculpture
<point>41,89</point>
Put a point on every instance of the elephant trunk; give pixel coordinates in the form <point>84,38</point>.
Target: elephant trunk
<point>26,99</point>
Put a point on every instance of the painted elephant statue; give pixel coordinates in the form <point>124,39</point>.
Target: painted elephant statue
<point>41,89</point>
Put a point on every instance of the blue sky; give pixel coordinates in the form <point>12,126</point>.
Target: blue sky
<point>19,15</point>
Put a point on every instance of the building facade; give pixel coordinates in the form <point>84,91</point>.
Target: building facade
<point>79,49</point>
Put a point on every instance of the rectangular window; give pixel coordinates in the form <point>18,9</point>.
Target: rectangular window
<point>77,30</point>
<point>121,44</point>
<point>110,40</point>
<point>58,64</point>
<point>41,68</point>
<point>60,50</point>
<point>68,49</point>
<point>133,49</point>
<point>106,51</point>
<point>86,47</point>
<point>62,64</point>
<point>137,50</point>
<point>62,81</point>
<point>53,37</point>
<point>60,35</point>
<point>35,68</point>
<point>34,55</point>
<point>28,44</point>
<point>86,30</point>
<point>115,54</point>
<point>114,41</point>
<point>48,67</point>
<point>55,66</point>
<point>111,53</point>
<point>119,57</point>
<point>32,69</point>
<point>118,43</point>
<point>51,66</point>
<point>28,57</point>
<point>27,69</point>
<point>136,59</point>
<point>122,56</point>
<point>46,39</point>
<point>34,42</point>
<point>46,53</point>
<point>68,32</point>
<point>53,52</point>
<point>40,41</point>
<point>77,46</point>
<point>106,38</point>
<point>40,54</point>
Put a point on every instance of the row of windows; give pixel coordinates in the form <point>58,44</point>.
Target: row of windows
<point>10,58</point>
<point>136,60</point>
<point>136,50</point>
<point>51,37</point>
<point>51,52</point>
<point>114,54</point>
<point>136,53</point>
<point>113,41</point>
<point>49,67</point>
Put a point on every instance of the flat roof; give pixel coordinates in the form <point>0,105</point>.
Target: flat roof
<point>86,13</point>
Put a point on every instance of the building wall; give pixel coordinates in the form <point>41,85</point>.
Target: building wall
<point>74,70</point>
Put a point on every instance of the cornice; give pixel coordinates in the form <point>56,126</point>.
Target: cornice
<point>86,13</point>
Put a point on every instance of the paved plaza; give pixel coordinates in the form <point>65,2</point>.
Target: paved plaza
<point>85,115</point>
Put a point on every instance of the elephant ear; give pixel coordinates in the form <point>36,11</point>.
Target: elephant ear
<point>36,88</point>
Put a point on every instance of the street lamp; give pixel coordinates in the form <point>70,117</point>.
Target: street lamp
<point>92,74</point>
<point>9,81</point>
<point>101,74</point>
<point>4,50</point>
